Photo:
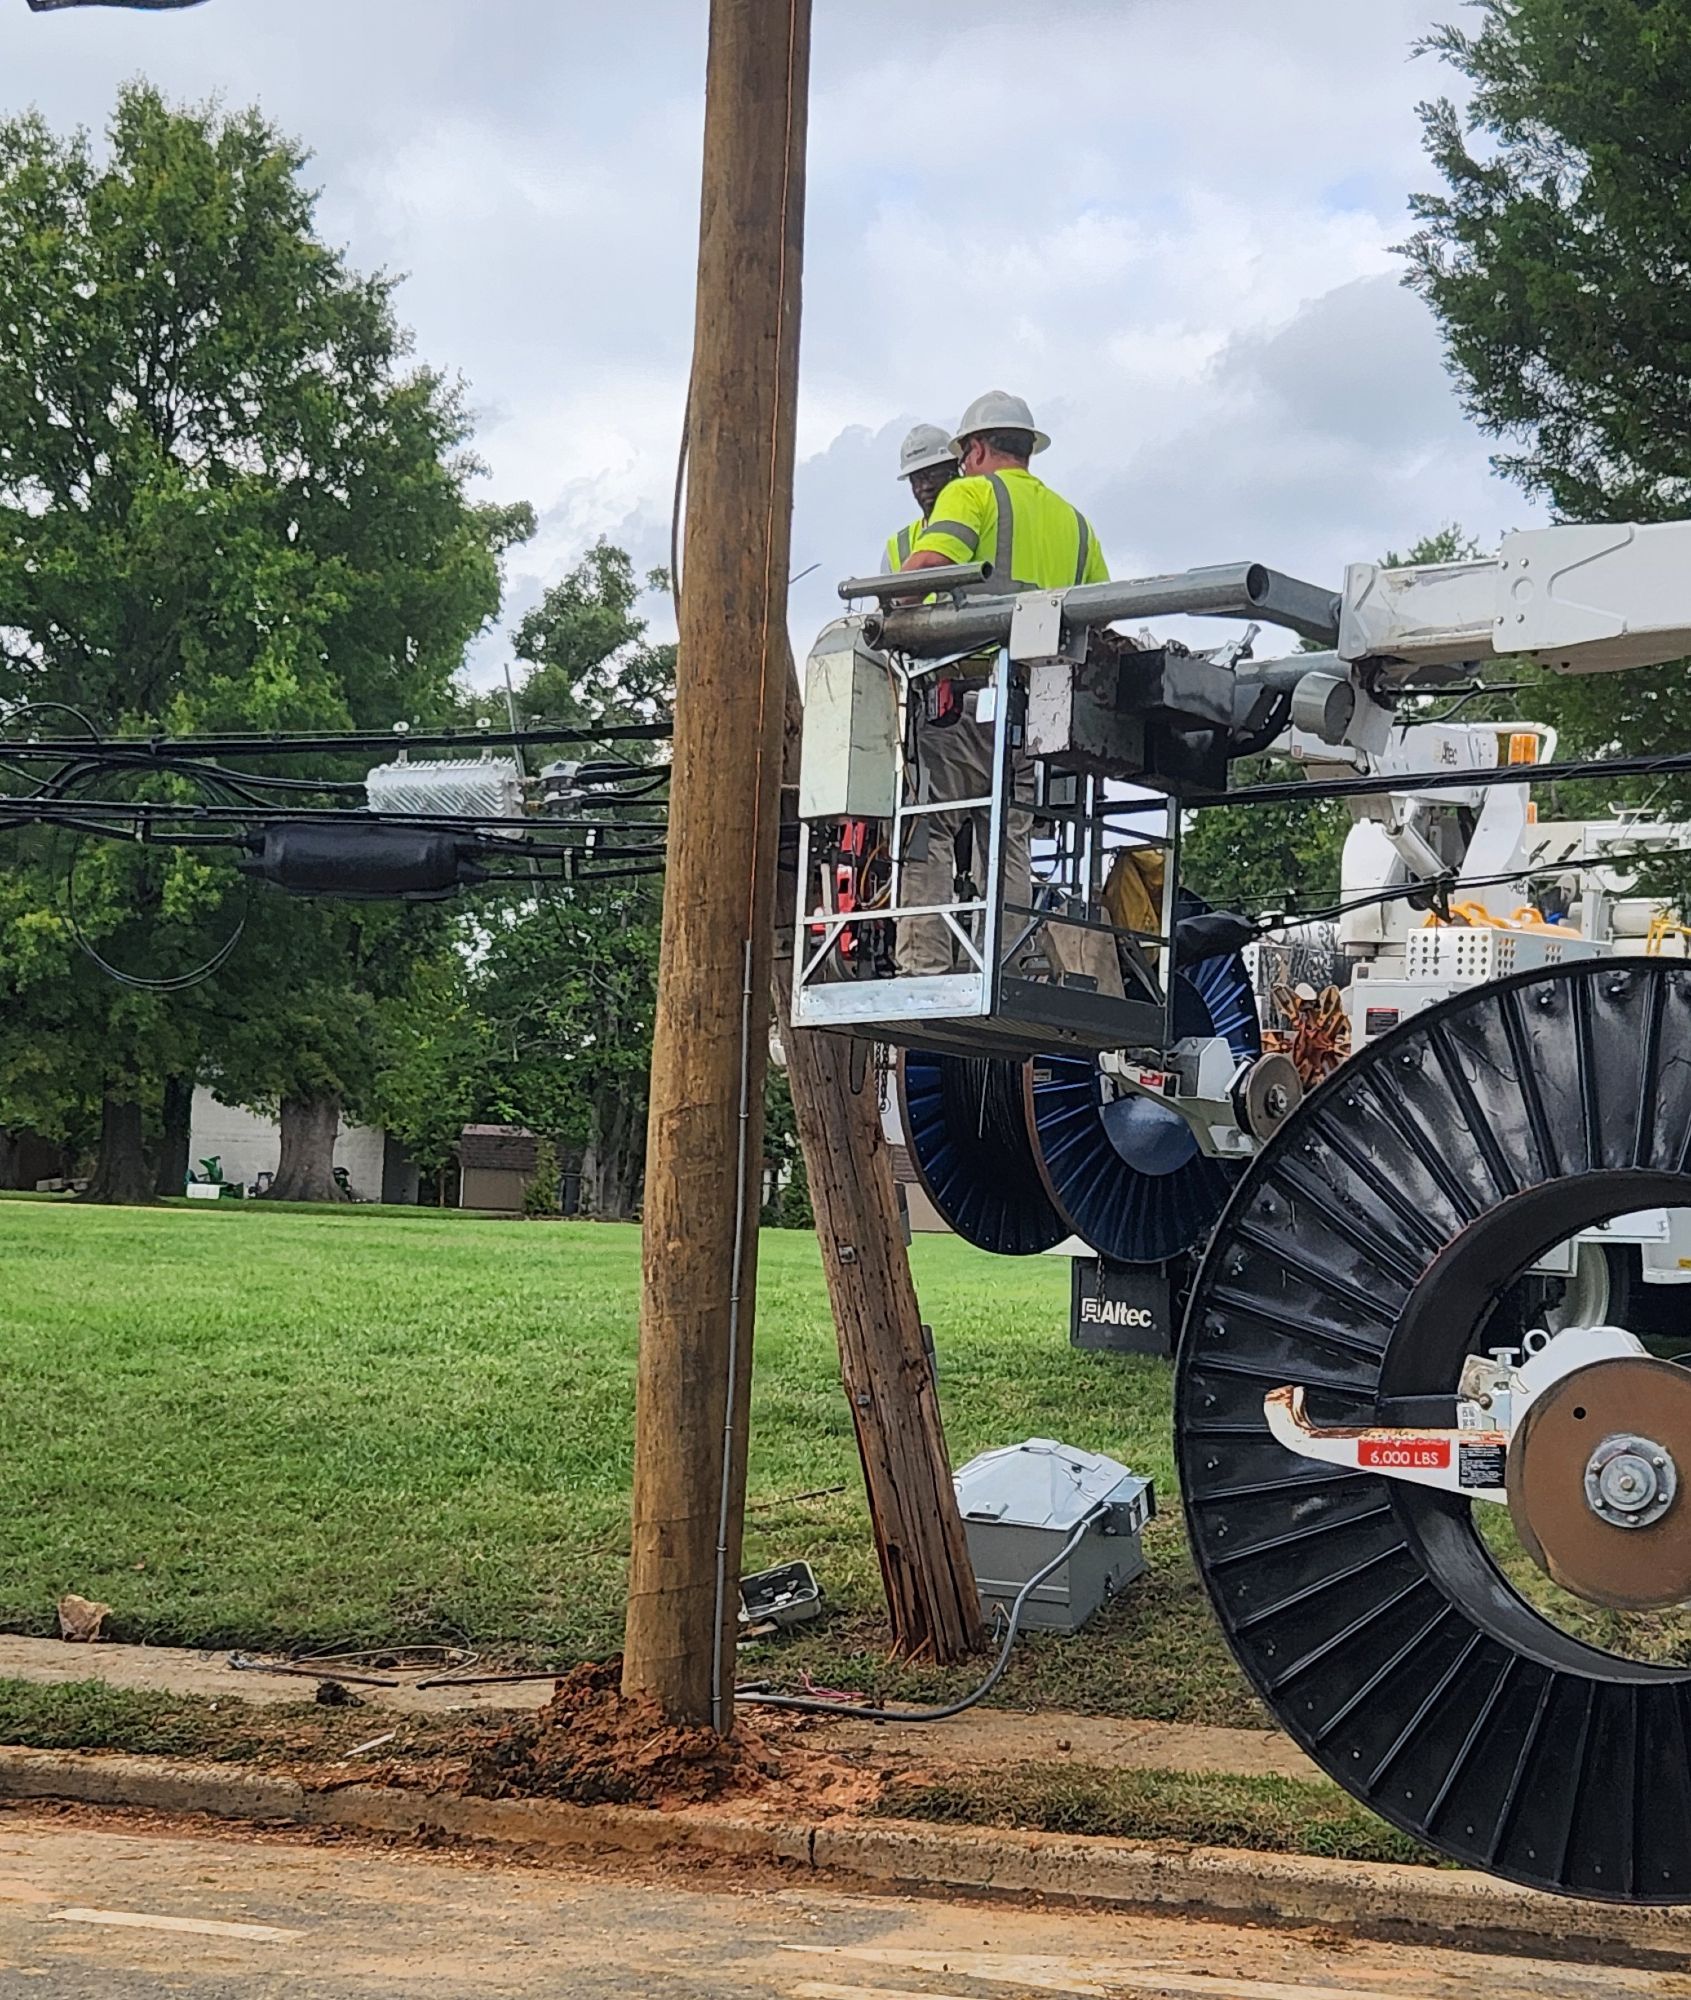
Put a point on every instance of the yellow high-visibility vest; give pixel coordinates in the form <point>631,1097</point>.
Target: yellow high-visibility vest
<point>1032,537</point>
<point>900,545</point>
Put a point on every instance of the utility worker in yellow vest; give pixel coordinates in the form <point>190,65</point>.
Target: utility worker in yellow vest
<point>928,459</point>
<point>995,511</point>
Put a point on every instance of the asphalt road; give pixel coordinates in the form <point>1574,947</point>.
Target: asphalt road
<point>126,1909</point>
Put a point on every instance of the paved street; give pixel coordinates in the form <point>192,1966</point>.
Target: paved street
<point>136,1910</point>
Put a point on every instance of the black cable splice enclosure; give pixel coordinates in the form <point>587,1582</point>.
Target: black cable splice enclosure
<point>364,863</point>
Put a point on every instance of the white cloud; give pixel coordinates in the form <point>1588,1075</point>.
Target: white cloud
<point>1307,445</point>
<point>1168,226</point>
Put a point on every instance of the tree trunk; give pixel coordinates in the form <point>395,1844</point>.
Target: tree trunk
<point>123,1173</point>
<point>10,1159</point>
<point>622,1168</point>
<point>306,1169</point>
<point>609,1167</point>
<point>174,1142</point>
<point>588,1202</point>
<point>932,1600</point>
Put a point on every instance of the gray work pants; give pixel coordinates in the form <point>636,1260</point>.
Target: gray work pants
<point>956,763</point>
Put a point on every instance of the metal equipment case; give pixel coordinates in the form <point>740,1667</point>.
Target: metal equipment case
<point>1020,1505</point>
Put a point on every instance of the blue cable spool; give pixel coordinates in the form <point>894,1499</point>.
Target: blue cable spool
<point>968,1140</point>
<point>1126,1175</point>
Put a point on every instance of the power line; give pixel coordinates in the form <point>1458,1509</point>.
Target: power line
<point>1439,887</point>
<point>126,816</point>
<point>258,743</point>
<point>1597,769</point>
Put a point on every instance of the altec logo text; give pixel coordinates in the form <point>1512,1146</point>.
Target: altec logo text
<point>1115,1312</point>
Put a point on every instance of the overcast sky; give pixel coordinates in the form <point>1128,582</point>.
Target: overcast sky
<point>1167,223</point>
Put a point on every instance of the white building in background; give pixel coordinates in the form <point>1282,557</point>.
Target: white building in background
<point>248,1145</point>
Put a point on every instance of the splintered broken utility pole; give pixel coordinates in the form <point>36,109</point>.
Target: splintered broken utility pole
<point>704,1162</point>
<point>933,1602</point>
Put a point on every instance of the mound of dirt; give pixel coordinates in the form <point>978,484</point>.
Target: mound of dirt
<point>593,1746</point>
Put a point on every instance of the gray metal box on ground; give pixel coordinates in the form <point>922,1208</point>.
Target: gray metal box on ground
<point>1022,1503</point>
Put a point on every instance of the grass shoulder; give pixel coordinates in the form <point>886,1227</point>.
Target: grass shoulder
<point>1201,1809</point>
<point>1276,1815</point>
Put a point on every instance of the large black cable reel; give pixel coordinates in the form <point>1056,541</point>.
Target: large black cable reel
<point>1361,1256</point>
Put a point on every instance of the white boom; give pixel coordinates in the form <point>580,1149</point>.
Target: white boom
<point>1582,600</point>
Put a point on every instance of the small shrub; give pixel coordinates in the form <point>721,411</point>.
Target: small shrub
<point>540,1192</point>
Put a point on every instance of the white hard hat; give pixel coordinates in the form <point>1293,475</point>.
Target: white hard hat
<point>925,447</point>
<point>998,411</point>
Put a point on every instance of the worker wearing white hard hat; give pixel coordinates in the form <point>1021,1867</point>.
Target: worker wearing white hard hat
<point>994,511</point>
<point>928,460</point>
<point>998,410</point>
<point>997,511</point>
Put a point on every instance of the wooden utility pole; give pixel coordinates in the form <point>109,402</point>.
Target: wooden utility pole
<point>932,1601</point>
<point>704,1160</point>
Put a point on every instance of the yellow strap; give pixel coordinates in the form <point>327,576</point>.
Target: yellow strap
<point>1476,917</point>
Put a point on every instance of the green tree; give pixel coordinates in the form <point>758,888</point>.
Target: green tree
<point>586,647</point>
<point>433,1061</point>
<point>228,499</point>
<point>549,1020</point>
<point>304,1041</point>
<point>1554,260</point>
<point>567,986</point>
<point>1257,859</point>
<point>571,982</point>
<point>84,1058</point>
<point>789,1206</point>
<point>541,1190</point>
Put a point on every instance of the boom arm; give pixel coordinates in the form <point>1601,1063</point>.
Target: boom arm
<point>1582,600</point>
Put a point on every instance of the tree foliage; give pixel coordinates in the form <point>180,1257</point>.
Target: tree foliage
<point>1257,859</point>
<point>586,647</point>
<point>547,1020</point>
<point>228,499</point>
<point>789,1205</point>
<point>432,1057</point>
<point>567,987</point>
<point>226,496</point>
<point>1556,259</point>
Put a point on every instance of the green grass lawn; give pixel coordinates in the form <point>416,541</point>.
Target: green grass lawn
<point>244,1425</point>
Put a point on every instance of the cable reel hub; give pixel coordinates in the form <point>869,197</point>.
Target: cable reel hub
<point>1594,1486</point>
<point>1266,1094</point>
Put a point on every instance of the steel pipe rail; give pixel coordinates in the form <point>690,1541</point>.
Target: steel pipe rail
<point>1282,676</point>
<point>1231,590</point>
<point>897,583</point>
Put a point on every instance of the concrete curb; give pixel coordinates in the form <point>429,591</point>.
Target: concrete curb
<point>1364,1896</point>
